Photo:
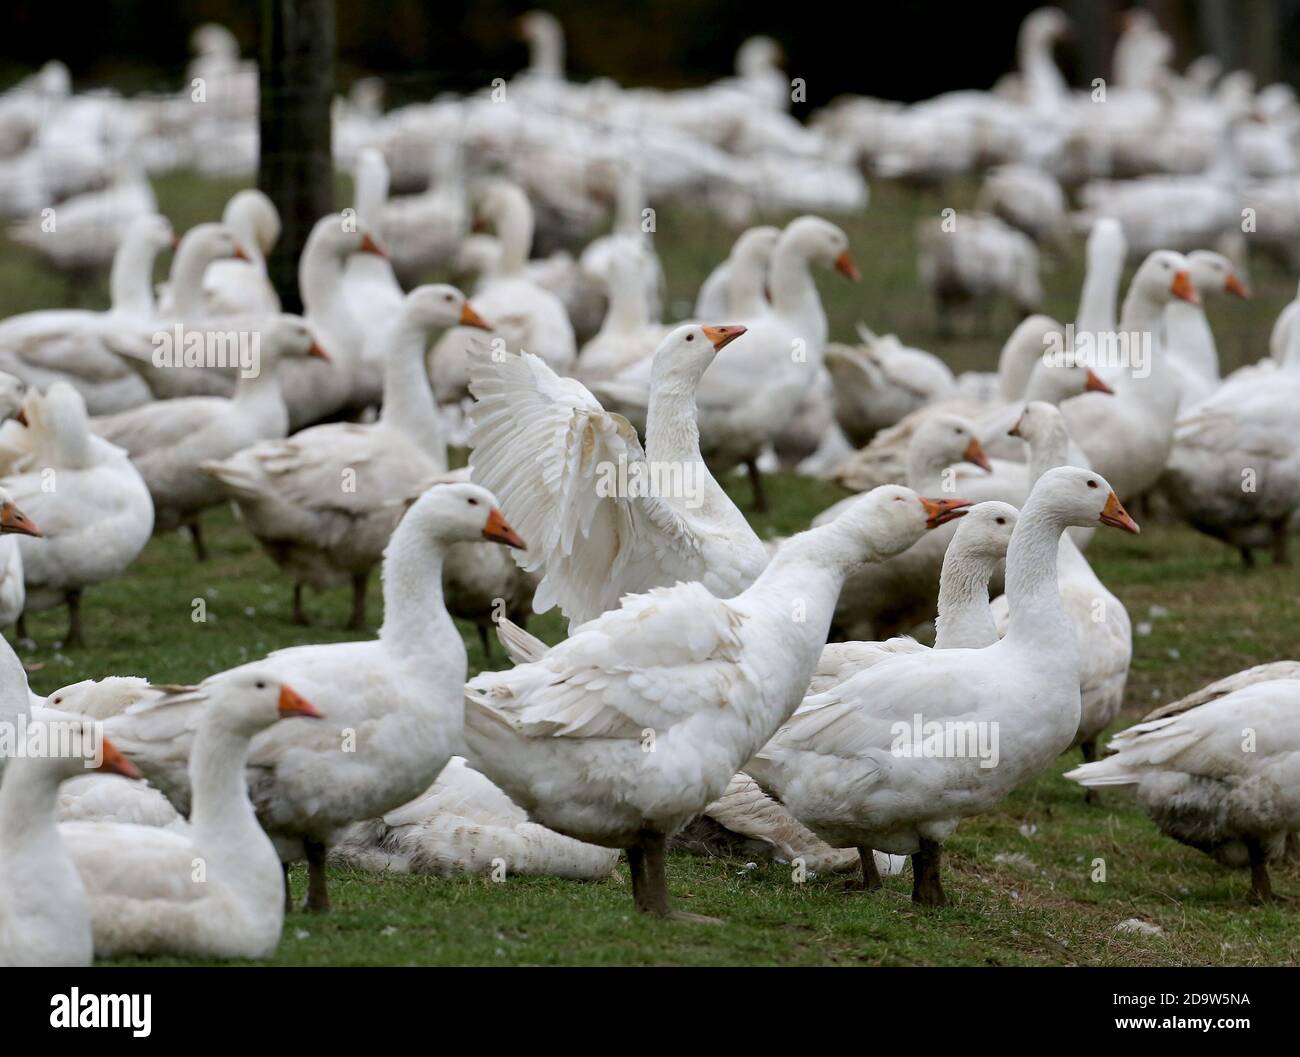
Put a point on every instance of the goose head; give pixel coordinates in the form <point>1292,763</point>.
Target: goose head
<point>545,37</point>
<point>13,520</point>
<point>210,242</point>
<point>438,306</point>
<point>289,336</point>
<point>755,246</point>
<point>685,354</point>
<point>152,232</point>
<point>1038,422</point>
<point>984,532</point>
<point>337,236</point>
<point>254,219</point>
<point>460,513</point>
<point>1163,277</point>
<point>815,239</point>
<point>1054,379</point>
<point>757,56</point>
<point>889,519</point>
<point>1213,273</point>
<point>1073,496</point>
<point>245,701</point>
<point>940,441</point>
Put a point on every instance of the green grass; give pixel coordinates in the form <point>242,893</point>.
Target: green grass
<point>1020,880</point>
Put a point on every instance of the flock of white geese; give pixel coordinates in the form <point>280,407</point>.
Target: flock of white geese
<point>697,678</point>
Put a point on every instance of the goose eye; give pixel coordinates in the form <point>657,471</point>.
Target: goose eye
<point>1092,484</point>
<point>690,337</point>
<point>1002,521</point>
<point>260,684</point>
<point>472,502</point>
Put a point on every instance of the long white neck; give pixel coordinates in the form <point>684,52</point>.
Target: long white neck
<point>1038,619</point>
<point>1187,334</point>
<point>1100,293</point>
<point>408,399</point>
<point>1291,356</point>
<point>320,281</point>
<point>964,620</point>
<point>371,190</point>
<point>1153,387</point>
<point>416,622</point>
<point>514,231</point>
<point>186,280</point>
<point>794,294</point>
<point>130,283</point>
<point>221,813</point>
<point>628,310</point>
<point>925,468</point>
<point>747,285</point>
<point>261,395</point>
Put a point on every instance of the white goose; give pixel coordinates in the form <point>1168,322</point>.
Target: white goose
<point>709,680</point>
<point>241,287</point>
<point>466,825</point>
<point>324,502</point>
<point>628,333</point>
<point>1192,776</point>
<point>95,520</point>
<point>605,518</point>
<point>523,314</point>
<point>1100,620</point>
<point>1187,334</point>
<point>889,597</point>
<point>1127,436</point>
<point>964,622</point>
<point>215,889</point>
<point>71,345</point>
<point>394,702</point>
<point>755,388</point>
<point>838,765</point>
<point>13,590</point>
<point>44,917</point>
<point>169,438</point>
<point>736,288</point>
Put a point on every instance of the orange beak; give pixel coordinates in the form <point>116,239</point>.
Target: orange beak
<point>175,242</point>
<point>21,417</point>
<point>845,266</point>
<point>1183,289</point>
<point>1116,516</point>
<point>1236,287</point>
<point>369,245</point>
<point>113,762</point>
<point>721,337</point>
<point>941,511</point>
<point>498,530</point>
<point>318,352</point>
<point>975,453</point>
<point>14,520</point>
<point>294,704</point>
<point>470,318</point>
<point>1014,431</point>
<point>1096,385</point>
<point>241,254</point>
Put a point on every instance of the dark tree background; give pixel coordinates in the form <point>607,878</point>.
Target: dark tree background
<point>903,51</point>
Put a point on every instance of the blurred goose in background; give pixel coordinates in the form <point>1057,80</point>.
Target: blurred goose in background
<point>1127,435</point>
<point>76,345</point>
<point>737,287</point>
<point>523,314</point>
<point>1187,334</point>
<point>628,333</point>
<point>92,505</point>
<point>168,439</point>
<point>324,502</point>
<point>1234,469</point>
